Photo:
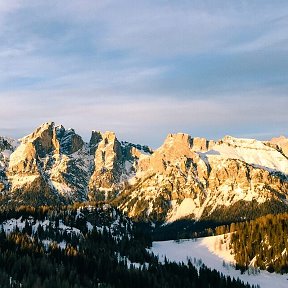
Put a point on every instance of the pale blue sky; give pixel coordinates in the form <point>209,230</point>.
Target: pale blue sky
<point>145,68</point>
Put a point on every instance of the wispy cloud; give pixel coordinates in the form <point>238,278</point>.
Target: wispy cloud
<point>145,68</point>
<point>144,120</point>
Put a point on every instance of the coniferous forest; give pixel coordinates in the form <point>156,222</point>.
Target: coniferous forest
<point>88,247</point>
<point>261,243</point>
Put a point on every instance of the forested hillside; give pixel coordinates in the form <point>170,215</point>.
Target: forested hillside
<point>261,243</point>
<point>87,247</point>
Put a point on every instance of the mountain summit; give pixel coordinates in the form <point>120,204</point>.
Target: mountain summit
<point>184,178</point>
<point>197,178</point>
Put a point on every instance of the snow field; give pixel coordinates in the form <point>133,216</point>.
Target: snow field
<point>214,253</point>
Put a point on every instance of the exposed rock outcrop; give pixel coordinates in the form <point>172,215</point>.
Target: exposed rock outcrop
<point>7,146</point>
<point>185,177</point>
<point>49,161</point>
<point>107,166</point>
<point>114,163</point>
<point>56,162</point>
<point>282,142</point>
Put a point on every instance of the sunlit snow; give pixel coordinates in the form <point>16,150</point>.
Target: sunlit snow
<point>214,253</point>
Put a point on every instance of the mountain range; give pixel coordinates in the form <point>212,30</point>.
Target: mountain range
<point>186,177</point>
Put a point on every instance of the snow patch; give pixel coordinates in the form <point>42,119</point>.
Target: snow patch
<point>215,254</point>
<point>185,208</point>
<point>250,151</point>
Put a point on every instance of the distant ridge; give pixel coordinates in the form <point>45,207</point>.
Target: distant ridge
<point>186,177</point>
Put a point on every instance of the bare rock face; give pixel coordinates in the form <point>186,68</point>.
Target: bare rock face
<point>107,164</point>
<point>43,139</point>
<point>49,162</point>
<point>54,164</point>
<point>114,163</point>
<point>96,137</point>
<point>24,160</point>
<point>235,181</point>
<point>25,173</point>
<point>164,179</point>
<point>175,146</point>
<point>7,146</point>
<point>185,177</point>
<point>70,142</point>
<point>195,178</point>
<point>282,142</point>
<point>202,144</point>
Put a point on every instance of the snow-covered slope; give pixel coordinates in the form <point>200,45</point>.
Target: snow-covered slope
<point>185,177</point>
<point>113,165</point>
<point>282,143</point>
<point>214,253</point>
<point>250,151</point>
<point>54,164</point>
<point>52,160</point>
<point>194,178</point>
<point>61,228</point>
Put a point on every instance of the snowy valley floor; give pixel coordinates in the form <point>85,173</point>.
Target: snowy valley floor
<point>214,253</point>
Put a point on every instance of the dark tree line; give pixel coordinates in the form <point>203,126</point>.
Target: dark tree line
<point>94,264</point>
<point>97,258</point>
<point>262,242</point>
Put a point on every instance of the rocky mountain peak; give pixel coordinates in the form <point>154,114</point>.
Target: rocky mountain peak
<point>242,142</point>
<point>96,137</point>
<point>7,146</point>
<point>42,131</point>
<point>178,139</point>
<point>70,142</point>
<point>194,177</point>
<point>114,164</point>
<point>46,160</point>
<point>176,144</point>
<point>181,140</point>
<point>282,142</point>
<point>201,144</point>
<point>49,138</point>
<point>185,177</point>
<point>109,136</point>
<point>177,150</point>
<point>108,163</point>
<point>43,138</point>
<point>109,148</point>
<point>60,130</point>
